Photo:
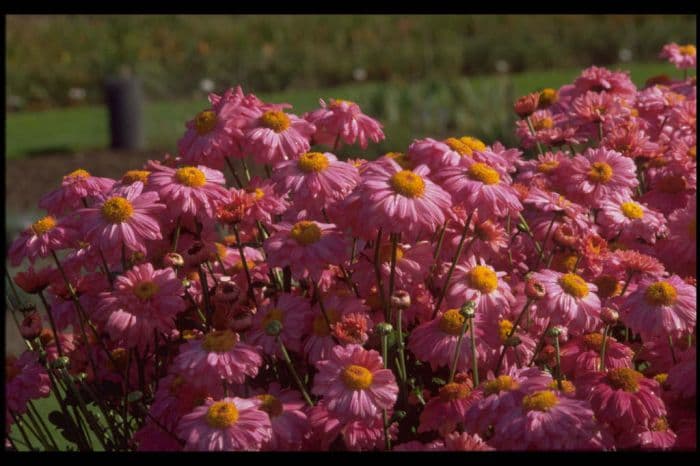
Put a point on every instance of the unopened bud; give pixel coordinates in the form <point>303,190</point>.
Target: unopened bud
<point>555,331</point>
<point>134,396</point>
<point>401,300</point>
<point>609,316</point>
<point>173,259</point>
<point>468,309</point>
<point>526,105</point>
<point>61,363</point>
<point>30,328</point>
<point>384,328</point>
<point>534,289</point>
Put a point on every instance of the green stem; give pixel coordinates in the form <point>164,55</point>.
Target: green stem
<point>392,276</point>
<point>534,135</point>
<point>378,270</point>
<point>239,245</point>
<point>475,365</point>
<point>51,321</point>
<point>602,348</point>
<point>233,172</point>
<point>458,347</point>
<point>558,374</point>
<point>293,371</point>
<point>387,438</point>
<point>454,263</point>
<point>512,332</point>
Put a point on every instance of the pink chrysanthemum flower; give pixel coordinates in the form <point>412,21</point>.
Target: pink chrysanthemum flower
<point>665,307</point>
<point>544,169</point>
<point>519,347</point>
<point>25,379</point>
<point>479,186</point>
<point>276,136</point>
<point>599,173</point>
<point>32,281</point>
<point>679,251</point>
<point>307,247</point>
<point>402,201</point>
<point>127,220</point>
<point>315,179</point>
<point>439,154</point>
<point>41,239</point>
<point>354,383</point>
<point>291,312</point>
<point>446,411</point>
<point>683,56</point>
<point>176,397</point>
<point>472,281</point>
<point>353,327</point>
<point>77,186</point>
<point>229,424</point>
<point>633,263</point>
<point>189,191</point>
<point>655,435</point>
<point>435,341</point>
<point>319,343</point>
<point>342,121</point>
<point>546,421</point>
<point>620,215</point>
<point>552,130</point>
<point>265,201</point>
<point>465,442</point>
<point>143,301</point>
<point>215,133</point>
<point>599,79</point>
<point>570,300</point>
<point>582,354</point>
<point>218,356</point>
<point>622,397</point>
<point>289,422</point>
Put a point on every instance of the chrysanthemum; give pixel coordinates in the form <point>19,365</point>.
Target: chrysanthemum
<point>479,186</point>
<point>39,240</point>
<point>144,300</point>
<point>620,215</point>
<point>127,220</point>
<point>599,173</point>
<point>599,79</point>
<point>25,379</point>
<point>315,179</point>
<point>465,442</point>
<point>219,355</point>
<point>177,396</point>
<point>276,136</point>
<point>683,56</point>
<point>319,343</point>
<point>569,299</point>
<point>402,201</point>
<point>582,354</point>
<point>265,202</point>
<point>412,265</point>
<point>439,154</point>
<point>354,384</point>
<point>229,424</point>
<point>622,397</point>
<point>678,252</point>
<point>291,312</point>
<point>189,191</point>
<point>342,121</point>
<point>655,435</point>
<point>661,307</point>
<point>633,262</point>
<point>76,186</point>
<point>288,420</point>
<point>519,347</point>
<point>472,281</point>
<point>446,411</point>
<point>307,247</point>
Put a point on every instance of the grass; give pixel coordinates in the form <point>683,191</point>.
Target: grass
<point>83,128</point>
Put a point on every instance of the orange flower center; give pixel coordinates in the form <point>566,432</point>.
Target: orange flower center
<point>306,232</point>
<point>191,176</point>
<point>499,384</point>
<point>504,328</point>
<point>608,286</point>
<point>79,173</point>
<point>407,184</point>
<point>270,404</point>
<point>688,50</point>
<point>574,285</point>
<point>661,294</point>
<point>481,172</point>
<point>593,341</point>
<point>222,414</point>
<point>117,209</point>
<point>544,123</point>
<point>624,378</point>
<point>205,122</point>
<point>219,341</point>
<point>452,322</point>
<point>400,158</point>
<point>543,400</point>
<point>548,166</point>
<point>566,386</point>
<point>132,176</point>
<point>276,120</point>
<point>44,225</point>
<point>600,172</point>
<point>356,377</point>
<point>312,162</point>
<point>385,253</point>
<point>454,391</point>
<point>144,290</point>
<point>482,278</point>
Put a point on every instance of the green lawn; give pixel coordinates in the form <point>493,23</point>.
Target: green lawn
<point>87,127</point>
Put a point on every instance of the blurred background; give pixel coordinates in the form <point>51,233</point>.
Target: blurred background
<point>420,75</point>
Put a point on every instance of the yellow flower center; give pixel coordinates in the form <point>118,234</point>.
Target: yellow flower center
<point>205,122</point>
<point>482,278</point>
<point>672,184</point>
<point>659,425</point>
<point>574,285</point>
<point>144,290</point>
<point>270,404</point>
<point>451,322</point>
<point>44,225</point>
<point>600,172</point>
<point>687,50</point>
<point>608,286</point>
<point>385,253</point>
<point>661,294</point>
<point>133,176</point>
<point>320,327</point>
<point>454,391</point>
<point>632,210</point>
<point>400,158</point>
<point>499,384</point>
<point>339,102</point>
<point>306,232</point>
<point>548,96</point>
<point>482,172</point>
<point>238,266</point>
<point>312,162</point>
<point>544,123</point>
<point>219,341</point>
<point>661,378</point>
<point>504,328</point>
<point>276,120</point>
<point>547,167</point>
<point>222,414</point>
<point>356,377</point>
<point>191,176</point>
<point>259,194</point>
<point>79,173</point>
<point>543,400</point>
<point>117,209</point>
<point>566,386</point>
<point>273,314</point>
<point>408,184</point>
<point>593,341</point>
<point>465,145</point>
<point>624,378</point>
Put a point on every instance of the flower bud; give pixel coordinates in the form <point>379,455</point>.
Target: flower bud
<point>384,328</point>
<point>61,363</point>
<point>534,289</point>
<point>173,259</point>
<point>609,316</point>
<point>527,104</point>
<point>565,236</point>
<point>468,309</point>
<point>401,300</point>
<point>30,328</point>
<point>555,331</point>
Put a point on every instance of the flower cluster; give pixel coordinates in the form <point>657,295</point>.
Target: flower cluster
<point>458,295</point>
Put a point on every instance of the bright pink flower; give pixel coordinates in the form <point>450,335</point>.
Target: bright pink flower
<point>32,281</point>
<point>291,312</point>
<point>307,247</point>
<point>319,343</point>
<point>276,136</point>
<point>189,191</point>
<point>176,397</point>
<point>599,173</point>
<point>143,301</point>
<point>127,220</point>
<point>446,411</point>
<point>465,442</point>
<point>354,384</point>
<point>402,201</point>
<point>552,130</point>
<point>265,202</point>
<point>25,379</point>
<point>582,354</point>
<point>683,56</point>
<point>439,154</point>
<point>545,168</point>
<point>661,307</point>
<point>599,79</point>
<point>229,424</point>
<point>353,327</point>
<point>570,300</point>
<point>678,252</point>
<point>315,179</point>
<point>655,435</point>
<point>633,262</point>
<point>342,121</point>
<point>289,422</point>
<point>627,220</point>
<point>220,355</point>
<point>76,186</point>
<point>41,239</point>
<point>472,281</point>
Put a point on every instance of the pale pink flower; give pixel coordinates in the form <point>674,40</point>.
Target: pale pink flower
<point>570,300</point>
<point>342,121</point>
<point>477,282</point>
<point>43,237</point>
<point>77,187</point>
<point>599,173</point>
<point>627,220</point>
<point>287,418</point>
<point>683,56</point>
<point>275,136</point>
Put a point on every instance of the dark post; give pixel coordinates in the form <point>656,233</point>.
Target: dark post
<point>124,99</point>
